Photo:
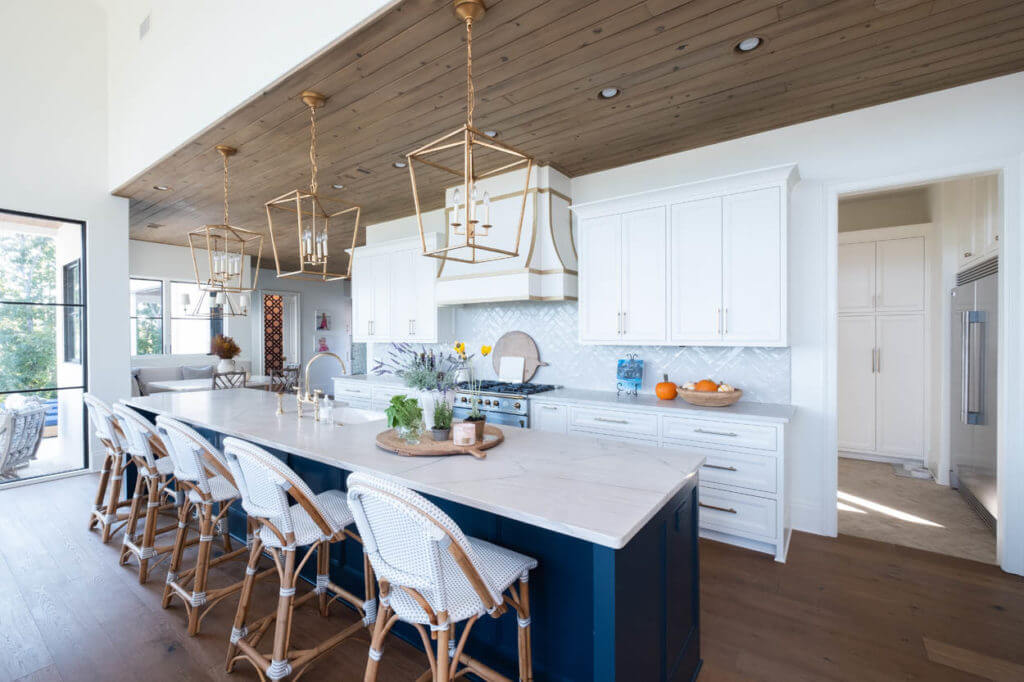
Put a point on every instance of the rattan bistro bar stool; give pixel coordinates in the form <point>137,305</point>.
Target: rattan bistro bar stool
<point>106,514</point>
<point>156,469</point>
<point>431,575</point>
<point>204,477</point>
<point>316,521</point>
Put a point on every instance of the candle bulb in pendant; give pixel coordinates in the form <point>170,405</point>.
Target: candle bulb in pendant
<point>307,243</point>
<point>487,209</point>
<point>325,244</point>
<point>471,207</point>
<point>457,198</point>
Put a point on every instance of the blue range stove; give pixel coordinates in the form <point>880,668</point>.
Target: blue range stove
<point>504,403</point>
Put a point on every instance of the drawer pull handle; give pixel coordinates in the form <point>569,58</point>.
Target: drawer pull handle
<point>610,421</point>
<point>548,407</point>
<point>716,433</point>
<point>722,509</point>
<point>717,466</point>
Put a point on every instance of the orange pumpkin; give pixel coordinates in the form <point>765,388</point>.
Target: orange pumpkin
<point>706,385</point>
<point>665,390</point>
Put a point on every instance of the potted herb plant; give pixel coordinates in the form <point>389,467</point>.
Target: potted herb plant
<point>475,416</point>
<point>442,420</point>
<point>406,417</point>
<point>225,348</point>
<point>428,373</point>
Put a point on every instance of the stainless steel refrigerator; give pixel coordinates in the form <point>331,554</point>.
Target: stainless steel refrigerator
<point>975,326</point>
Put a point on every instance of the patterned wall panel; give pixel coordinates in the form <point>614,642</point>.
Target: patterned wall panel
<point>762,373</point>
<point>273,332</point>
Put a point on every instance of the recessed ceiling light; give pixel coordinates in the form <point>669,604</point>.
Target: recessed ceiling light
<point>399,164</point>
<point>154,226</point>
<point>749,44</point>
<point>161,188</point>
<point>608,93</point>
<point>491,133</point>
<point>337,186</point>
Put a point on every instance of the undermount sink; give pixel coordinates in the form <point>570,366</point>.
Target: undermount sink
<point>355,415</point>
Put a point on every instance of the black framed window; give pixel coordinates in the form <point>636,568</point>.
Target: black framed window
<point>72,277</point>
<point>147,316</point>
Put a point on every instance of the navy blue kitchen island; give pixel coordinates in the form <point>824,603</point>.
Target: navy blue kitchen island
<point>616,592</point>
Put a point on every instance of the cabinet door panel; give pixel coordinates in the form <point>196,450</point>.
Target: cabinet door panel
<point>857,277</point>
<point>401,294</point>
<point>381,279</point>
<point>424,309</point>
<point>696,271</point>
<point>362,296</point>
<point>856,383</point>
<point>644,280</point>
<point>548,417</point>
<point>752,265</point>
<point>900,387</point>
<point>600,259</point>
<point>900,280</point>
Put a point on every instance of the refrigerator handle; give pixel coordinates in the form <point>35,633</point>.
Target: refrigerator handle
<point>971,375</point>
<point>965,372</point>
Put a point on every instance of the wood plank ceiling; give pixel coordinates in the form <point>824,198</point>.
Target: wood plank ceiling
<point>399,82</point>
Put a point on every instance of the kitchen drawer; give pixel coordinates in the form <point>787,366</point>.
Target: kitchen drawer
<point>352,389</point>
<point>614,421</point>
<point>622,437</point>
<point>710,432</point>
<point>549,417</point>
<point>738,514</point>
<point>735,469</point>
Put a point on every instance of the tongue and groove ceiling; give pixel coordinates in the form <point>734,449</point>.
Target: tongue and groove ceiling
<point>538,65</point>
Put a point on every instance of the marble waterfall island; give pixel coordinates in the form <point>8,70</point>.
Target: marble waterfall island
<point>613,526</point>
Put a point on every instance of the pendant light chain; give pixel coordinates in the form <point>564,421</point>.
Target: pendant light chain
<point>226,221</point>
<point>470,90</point>
<point>312,149</point>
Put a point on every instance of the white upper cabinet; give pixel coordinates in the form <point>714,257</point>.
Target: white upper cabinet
<point>600,239</point>
<point>696,265</point>
<point>695,248</point>
<point>980,220</point>
<point>857,278</point>
<point>643,273</point>
<point>393,293</point>
<point>753,268</point>
<point>900,275</point>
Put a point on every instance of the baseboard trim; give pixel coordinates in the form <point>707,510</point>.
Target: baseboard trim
<point>885,459</point>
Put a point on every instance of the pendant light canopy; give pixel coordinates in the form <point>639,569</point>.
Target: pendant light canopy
<point>221,256</point>
<point>469,214</point>
<point>317,229</point>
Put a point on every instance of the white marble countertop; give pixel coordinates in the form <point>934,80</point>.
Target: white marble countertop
<point>387,380</point>
<point>597,490</point>
<point>741,411</point>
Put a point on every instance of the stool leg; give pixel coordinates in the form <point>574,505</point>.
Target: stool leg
<point>202,566</point>
<point>525,651</point>
<point>101,490</point>
<point>238,629</point>
<point>114,497</point>
<point>149,531</point>
<point>441,672</point>
<point>377,642</point>
<point>133,520</point>
<point>283,624</point>
<point>179,549</point>
<point>323,567</point>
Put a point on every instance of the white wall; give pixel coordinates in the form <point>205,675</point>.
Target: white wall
<point>54,145</point>
<point>199,61</point>
<point>934,135</point>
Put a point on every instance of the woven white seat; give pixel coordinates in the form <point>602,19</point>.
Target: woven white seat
<point>21,430</point>
<point>432,574</point>
<point>315,520</point>
<point>221,490</point>
<point>335,512</point>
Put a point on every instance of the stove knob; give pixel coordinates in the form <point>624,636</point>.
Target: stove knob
<point>463,398</point>
<point>516,406</point>
<point>487,402</point>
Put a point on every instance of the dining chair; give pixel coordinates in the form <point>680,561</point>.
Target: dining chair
<point>284,380</point>
<point>431,575</point>
<point>229,380</point>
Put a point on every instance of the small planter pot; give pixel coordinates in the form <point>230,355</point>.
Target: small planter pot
<point>441,434</point>
<point>410,434</point>
<point>479,424</point>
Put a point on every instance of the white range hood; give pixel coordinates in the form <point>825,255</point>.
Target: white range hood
<point>544,270</point>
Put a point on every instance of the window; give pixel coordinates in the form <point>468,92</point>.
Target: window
<point>190,336</point>
<point>147,316</point>
<point>73,316</point>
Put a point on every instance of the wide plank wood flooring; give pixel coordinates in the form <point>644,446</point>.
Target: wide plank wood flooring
<point>840,609</point>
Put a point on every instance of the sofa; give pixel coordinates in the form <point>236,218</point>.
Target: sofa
<point>142,377</point>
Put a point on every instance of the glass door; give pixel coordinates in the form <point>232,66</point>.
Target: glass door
<point>42,347</point>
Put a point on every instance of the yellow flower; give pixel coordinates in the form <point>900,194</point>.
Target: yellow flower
<point>460,347</point>
<point>485,350</point>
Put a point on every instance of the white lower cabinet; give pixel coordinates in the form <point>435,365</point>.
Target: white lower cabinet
<point>742,482</point>
<point>365,394</point>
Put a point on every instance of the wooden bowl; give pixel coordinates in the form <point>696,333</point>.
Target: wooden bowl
<point>710,398</point>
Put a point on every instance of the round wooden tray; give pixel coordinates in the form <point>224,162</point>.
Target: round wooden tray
<point>428,447</point>
<point>710,398</point>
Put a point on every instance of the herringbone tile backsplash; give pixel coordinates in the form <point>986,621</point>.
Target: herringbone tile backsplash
<point>762,373</point>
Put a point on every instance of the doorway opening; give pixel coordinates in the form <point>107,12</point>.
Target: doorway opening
<point>42,346</point>
<point>277,341</point>
<point>910,356</point>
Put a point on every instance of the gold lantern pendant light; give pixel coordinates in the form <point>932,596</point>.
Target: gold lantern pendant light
<point>227,251</point>
<point>315,225</point>
<point>471,214</point>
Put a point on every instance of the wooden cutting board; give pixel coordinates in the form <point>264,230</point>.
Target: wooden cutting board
<point>518,344</point>
<point>428,447</point>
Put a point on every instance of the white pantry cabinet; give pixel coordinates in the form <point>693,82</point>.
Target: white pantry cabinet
<point>979,231</point>
<point>698,264</point>
<point>393,293</point>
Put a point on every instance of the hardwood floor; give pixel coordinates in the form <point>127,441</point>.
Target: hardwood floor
<point>840,609</point>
